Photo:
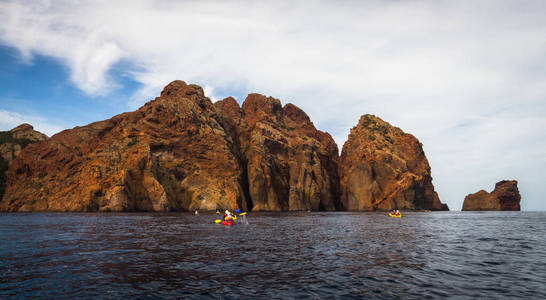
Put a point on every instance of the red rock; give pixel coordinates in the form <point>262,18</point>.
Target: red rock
<point>181,152</point>
<point>383,168</point>
<point>289,164</point>
<point>505,196</point>
<point>171,154</point>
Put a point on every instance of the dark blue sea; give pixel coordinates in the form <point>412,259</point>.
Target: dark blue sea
<point>459,255</point>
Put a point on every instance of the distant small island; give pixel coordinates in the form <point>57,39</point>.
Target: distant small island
<point>181,152</point>
<point>505,196</point>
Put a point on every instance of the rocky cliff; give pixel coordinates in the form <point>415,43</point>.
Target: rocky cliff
<point>171,154</point>
<point>181,152</point>
<point>505,196</point>
<point>12,142</point>
<point>383,168</point>
<point>290,165</point>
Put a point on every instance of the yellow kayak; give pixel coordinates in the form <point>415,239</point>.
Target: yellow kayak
<point>399,215</point>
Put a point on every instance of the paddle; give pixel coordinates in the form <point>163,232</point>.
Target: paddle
<point>218,221</point>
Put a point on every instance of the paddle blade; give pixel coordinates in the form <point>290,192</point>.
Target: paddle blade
<point>242,214</point>
<point>238,210</point>
<point>217,221</point>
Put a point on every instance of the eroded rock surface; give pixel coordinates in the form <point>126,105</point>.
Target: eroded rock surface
<point>289,164</point>
<point>181,152</point>
<point>171,154</point>
<point>12,142</point>
<point>383,168</point>
<point>505,196</point>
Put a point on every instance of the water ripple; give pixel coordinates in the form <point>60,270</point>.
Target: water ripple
<point>278,255</point>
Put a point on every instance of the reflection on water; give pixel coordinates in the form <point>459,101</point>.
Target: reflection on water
<point>277,255</point>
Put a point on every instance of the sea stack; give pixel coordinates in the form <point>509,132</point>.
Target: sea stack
<point>505,196</point>
<point>383,168</point>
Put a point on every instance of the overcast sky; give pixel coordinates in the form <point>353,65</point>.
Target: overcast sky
<point>467,78</point>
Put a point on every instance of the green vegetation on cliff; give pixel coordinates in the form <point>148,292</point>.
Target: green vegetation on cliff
<point>7,137</point>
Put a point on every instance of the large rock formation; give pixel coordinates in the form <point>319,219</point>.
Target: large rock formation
<point>290,165</point>
<point>181,152</point>
<point>383,168</point>
<point>171,154</point>
<point>505,196</point>
<point>12,142</point>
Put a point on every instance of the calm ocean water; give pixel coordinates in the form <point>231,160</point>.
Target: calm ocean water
<point>489,255</point>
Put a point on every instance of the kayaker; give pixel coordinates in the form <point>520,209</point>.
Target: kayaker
<point>397,213</point>
<point>228,216</point>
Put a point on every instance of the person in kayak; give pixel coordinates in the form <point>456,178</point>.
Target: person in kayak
<point>228,216</point>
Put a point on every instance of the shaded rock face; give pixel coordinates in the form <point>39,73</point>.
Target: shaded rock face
<point>288,163</point>
<point>505,196</point>
<point>383,168</point>
<point>12,142</point>
<point>181,152</point>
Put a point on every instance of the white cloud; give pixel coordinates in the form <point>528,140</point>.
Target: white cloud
<point>427,67</point>
<point>10,120</point>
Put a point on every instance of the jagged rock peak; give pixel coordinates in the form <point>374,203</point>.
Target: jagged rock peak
<point>179,87</point>
<point>296,114</point>
<point>228,104</point>
<point>26,131</point>
<point>24,126</point>
<point>258,107</point>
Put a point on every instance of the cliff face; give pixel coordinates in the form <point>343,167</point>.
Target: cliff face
<point>290,165</point>
<point>505,196</point>
<point>171,154</point>
<point>383,168</point>
<point>181,152</point>
<point>12,142</point>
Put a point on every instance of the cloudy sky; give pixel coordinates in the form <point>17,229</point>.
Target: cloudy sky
<point>468,78</point>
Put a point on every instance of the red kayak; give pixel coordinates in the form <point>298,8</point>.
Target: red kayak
<point>227,223</point>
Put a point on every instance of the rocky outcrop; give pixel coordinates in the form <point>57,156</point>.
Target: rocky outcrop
<point>505,196</point>
<point>383,168</point>
<point>181,152</point>
<point>12,142</point>
<point>290,165</point>
<point>15,140</point>
<point>171,154</point>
